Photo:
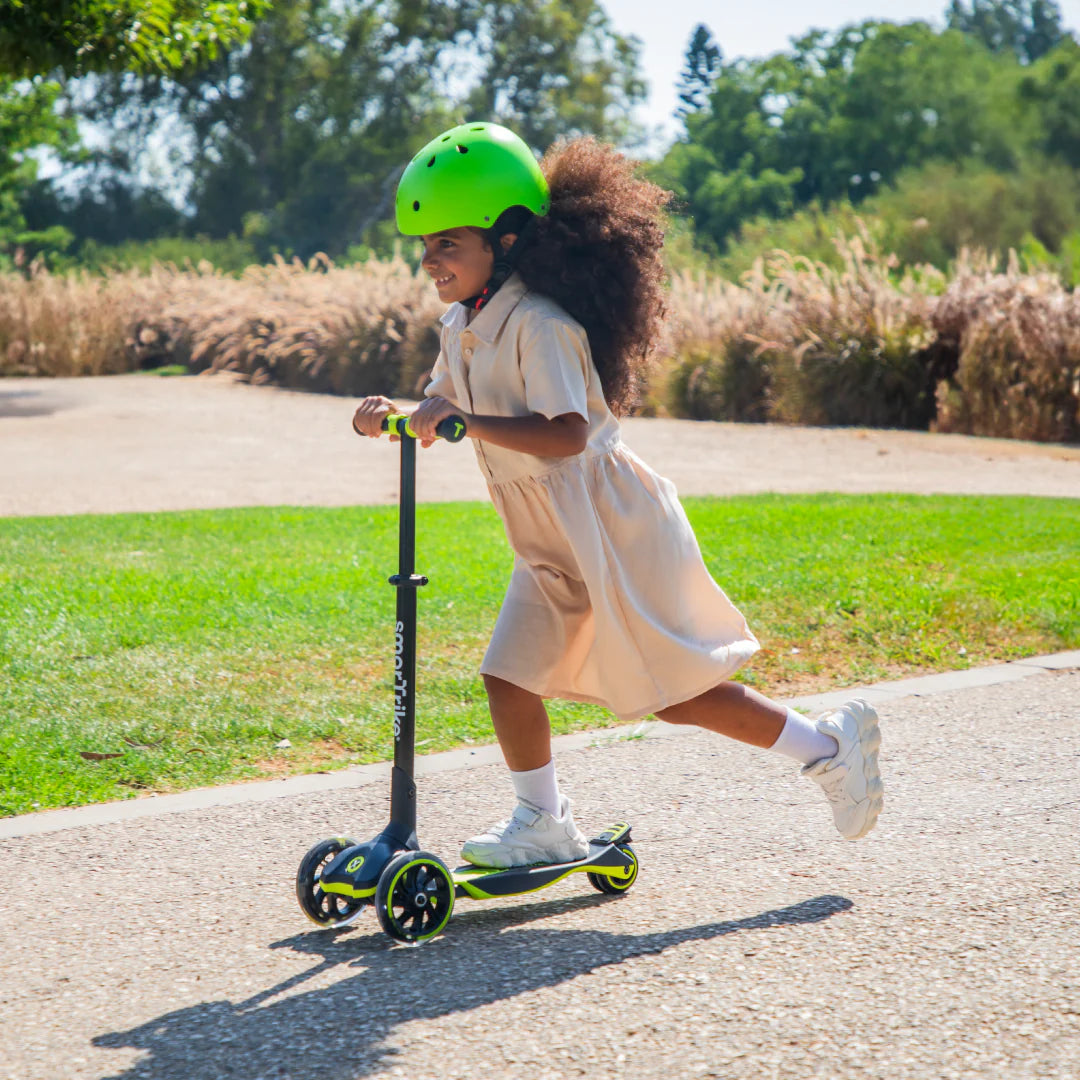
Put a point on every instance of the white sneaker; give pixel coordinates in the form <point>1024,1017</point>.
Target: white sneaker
<point>851,779</point>
<point>530,835</point>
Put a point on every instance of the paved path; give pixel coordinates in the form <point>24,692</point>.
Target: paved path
<point>139,442</point>
<point>755,944</point>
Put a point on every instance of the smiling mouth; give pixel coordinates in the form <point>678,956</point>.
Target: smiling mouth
<point>443,280</point>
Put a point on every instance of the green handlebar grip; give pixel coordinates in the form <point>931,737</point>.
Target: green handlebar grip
<point>452,428</point>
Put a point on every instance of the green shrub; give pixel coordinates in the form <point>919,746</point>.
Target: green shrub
<point>231,256</point>
<point>935,212</point>
<point>811,233</point>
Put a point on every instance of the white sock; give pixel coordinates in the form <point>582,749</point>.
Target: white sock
<point>802,741</point>
<point>539,787</point>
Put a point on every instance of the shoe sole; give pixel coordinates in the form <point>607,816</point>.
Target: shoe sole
<point>866,719</point>
<point>485,860</point>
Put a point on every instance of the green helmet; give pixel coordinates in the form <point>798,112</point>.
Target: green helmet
<point>468,176</point>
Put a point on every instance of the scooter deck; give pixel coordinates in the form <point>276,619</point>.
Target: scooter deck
<point>604,857</point>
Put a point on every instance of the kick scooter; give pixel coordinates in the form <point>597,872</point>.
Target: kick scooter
<point>413,891</point>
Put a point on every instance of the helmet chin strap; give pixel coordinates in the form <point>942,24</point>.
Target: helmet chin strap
<point>504,265</point>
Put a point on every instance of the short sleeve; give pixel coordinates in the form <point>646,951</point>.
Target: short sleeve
<point>554,366</point>
<point>442,384</point>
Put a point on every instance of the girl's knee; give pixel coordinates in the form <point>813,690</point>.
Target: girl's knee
<point>494,683</point>
<point>504,691</point>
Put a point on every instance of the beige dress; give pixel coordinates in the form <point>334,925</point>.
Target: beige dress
<point>609,600</point>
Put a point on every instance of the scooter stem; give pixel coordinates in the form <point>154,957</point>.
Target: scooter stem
<point>406,581</point>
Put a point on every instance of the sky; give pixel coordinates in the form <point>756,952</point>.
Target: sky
<point>748,29</point>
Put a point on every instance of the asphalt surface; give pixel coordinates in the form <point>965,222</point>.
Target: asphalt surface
<point>141,443</point>
<point>755,944</point>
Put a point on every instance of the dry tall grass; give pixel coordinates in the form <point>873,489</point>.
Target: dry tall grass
<point>77,324</point>
<point>991,351</point>
<point>350,330</point>
<point>1017,341</point>
<point>800,342</point>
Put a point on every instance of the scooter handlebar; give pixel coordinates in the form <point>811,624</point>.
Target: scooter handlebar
<point>452,428</point>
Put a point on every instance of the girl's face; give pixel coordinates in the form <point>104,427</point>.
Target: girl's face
<point>459,262</point>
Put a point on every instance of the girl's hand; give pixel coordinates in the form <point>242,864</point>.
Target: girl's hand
<point>428,415</point>
<point>368,418</point>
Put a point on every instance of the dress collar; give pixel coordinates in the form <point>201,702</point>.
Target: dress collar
<point>489,320</point>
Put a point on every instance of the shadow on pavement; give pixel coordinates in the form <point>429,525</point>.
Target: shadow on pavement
<point>342,1030</point>
<point>17,403</point>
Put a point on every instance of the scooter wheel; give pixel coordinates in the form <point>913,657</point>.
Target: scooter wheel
<point>415,897</point>
<point>325,909</point>
<point>615,885</point>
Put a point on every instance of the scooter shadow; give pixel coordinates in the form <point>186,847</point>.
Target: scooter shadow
<point>344,1028</point>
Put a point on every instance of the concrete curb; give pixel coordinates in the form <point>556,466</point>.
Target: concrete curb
<point>48,821</point>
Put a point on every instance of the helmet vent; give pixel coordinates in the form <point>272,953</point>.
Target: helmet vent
<point>462,149</point>
<point>416,205</point>
<point>444,138</point>
<point>431,162</point>
<point>479,127</point>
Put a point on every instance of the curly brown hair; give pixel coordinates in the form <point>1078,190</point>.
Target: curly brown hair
<point>597,254</point>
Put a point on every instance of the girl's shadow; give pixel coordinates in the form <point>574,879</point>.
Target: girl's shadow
<point>342,1029</point>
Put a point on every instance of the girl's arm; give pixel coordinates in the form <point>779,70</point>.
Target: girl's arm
<point>562,436</point>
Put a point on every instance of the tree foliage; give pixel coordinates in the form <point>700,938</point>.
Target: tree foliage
<point>29,121</point>
<point>549,69</point>
<point>291,136</point>
<point>702,66</point>
<point>1051,91</point>
<point>842,115</point>
<point>296,139</point>
<point>1026,28</point>
<point>78,36</point>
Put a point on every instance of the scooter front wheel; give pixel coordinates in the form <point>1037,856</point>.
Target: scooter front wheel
<point>325,909</point>
<point>415,897</point>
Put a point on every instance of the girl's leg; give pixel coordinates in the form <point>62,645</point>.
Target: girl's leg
<point>733,710</point>
<point>839,751</point>
<point>738,712</point>
<point>542,828</point>
<point>521,724</point>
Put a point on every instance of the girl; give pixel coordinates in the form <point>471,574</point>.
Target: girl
<point>554,278</point>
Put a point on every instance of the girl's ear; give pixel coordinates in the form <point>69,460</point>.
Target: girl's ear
<point>507,240</point>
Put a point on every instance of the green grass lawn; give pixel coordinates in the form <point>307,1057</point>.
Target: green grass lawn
<point>191,644</point>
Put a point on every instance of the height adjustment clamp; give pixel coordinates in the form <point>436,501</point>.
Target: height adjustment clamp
<point>413,581</point>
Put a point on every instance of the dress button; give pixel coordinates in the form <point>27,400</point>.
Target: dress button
<point>468,352</point>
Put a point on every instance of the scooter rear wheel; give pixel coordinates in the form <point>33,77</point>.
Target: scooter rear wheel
<point>325,909</point>
<point>615,885</point>
<point>415,897</point>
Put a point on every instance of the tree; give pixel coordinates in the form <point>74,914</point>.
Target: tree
<point>29,122</point>
<point>551,68</point>
<point>70,38</point>
<point>297,138</point>
<point>703,61</point>
<point>77,36</point>
<point>1026,28</point>
<point>1051,91</point>
<point>838,116</point>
